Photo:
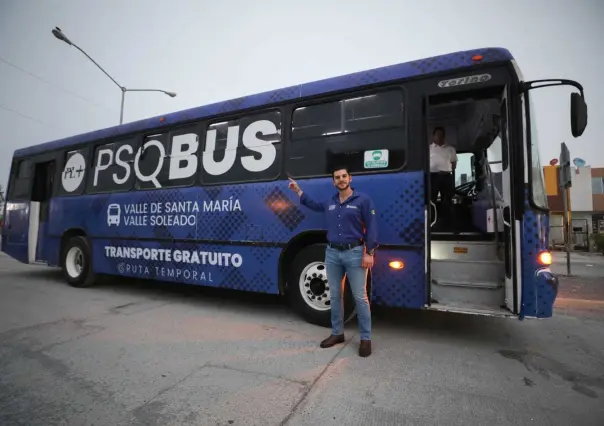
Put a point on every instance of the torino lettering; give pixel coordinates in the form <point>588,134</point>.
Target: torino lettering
<point>183,155</point>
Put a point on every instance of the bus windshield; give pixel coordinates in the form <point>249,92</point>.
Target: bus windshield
<point>536,172</point>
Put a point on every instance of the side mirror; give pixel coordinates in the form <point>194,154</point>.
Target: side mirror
<point>578,114</point>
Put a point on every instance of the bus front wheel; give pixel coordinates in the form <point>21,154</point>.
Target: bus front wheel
<point>309,290</point>
<point>77,263</point>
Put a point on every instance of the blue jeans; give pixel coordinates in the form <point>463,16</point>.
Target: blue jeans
<point>348,262</point>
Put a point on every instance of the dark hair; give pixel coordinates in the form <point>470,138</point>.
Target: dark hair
<point>438,128</point>
<point>339,167</point>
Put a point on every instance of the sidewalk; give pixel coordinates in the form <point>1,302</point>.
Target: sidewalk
<point>577,255</point>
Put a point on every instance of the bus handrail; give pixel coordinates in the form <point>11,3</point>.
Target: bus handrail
<point>435,214</point>
<point>491,183</point>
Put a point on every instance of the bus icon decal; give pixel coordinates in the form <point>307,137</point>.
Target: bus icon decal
<point>113,214</point>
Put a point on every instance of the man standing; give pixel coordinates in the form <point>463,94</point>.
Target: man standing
<point>443,159</point>
<point>352,239</point>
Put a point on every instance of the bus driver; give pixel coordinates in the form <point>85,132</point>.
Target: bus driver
<point>443,159</point>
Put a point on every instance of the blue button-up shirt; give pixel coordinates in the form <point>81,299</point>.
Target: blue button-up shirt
<point>347,222</point>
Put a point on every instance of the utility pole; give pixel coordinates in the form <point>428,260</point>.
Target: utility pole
<point>565,185</point>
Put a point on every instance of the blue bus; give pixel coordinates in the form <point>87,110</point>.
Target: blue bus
<point>201,196</point>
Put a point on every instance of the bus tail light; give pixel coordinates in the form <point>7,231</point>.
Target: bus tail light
<point>545,258</point>
<point>396,264</point>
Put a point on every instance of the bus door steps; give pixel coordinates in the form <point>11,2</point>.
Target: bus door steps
<point>473,284</point>
<point>463,250</point>
<point>468,270</point>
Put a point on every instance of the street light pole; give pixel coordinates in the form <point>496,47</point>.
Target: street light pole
<point>61,36</point>
<point>122,106</point>
<point>124,90</point>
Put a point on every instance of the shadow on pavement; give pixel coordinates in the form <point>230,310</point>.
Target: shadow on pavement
<point>421,323</point>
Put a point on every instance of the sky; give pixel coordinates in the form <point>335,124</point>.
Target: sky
<point>208,51</point>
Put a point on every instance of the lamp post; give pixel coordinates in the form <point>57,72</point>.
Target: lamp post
<point>61,36</point>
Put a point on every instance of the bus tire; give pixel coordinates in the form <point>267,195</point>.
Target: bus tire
<point>308,289</point>
<point>77,263</point>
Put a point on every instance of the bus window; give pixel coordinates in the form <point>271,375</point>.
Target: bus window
<point>244,149</point>
<point>111,169</point>
<point>73,174</point>
<point>184,153</point>
<point>21,181</point>
<point>536,174</point>
<point>365,133</point>
<point>464,172</point>
<point>152,164</point>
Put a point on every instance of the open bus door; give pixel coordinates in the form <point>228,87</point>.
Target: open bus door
<point>27,210</point>
<point>509,226</point>
<point>15,227</point>
<point>44,174</point>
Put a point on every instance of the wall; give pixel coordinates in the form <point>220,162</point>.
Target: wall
<point>598,199</point>
<point>552,189</point>
<point>581,198</point>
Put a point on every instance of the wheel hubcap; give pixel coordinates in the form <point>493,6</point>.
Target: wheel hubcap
<point>314,286</point>
<point>74,262</point>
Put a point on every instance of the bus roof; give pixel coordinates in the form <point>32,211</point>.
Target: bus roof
<point>448,62</point>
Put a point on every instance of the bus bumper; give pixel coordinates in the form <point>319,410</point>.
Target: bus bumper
<point>549,278</point>
<point>547,284</point>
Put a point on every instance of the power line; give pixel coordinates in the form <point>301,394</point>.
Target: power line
<point>28,117</point>
<point>56,86</point>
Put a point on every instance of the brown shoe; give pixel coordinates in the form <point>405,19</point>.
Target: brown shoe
<point>332,340</point>
<point>365,348</point>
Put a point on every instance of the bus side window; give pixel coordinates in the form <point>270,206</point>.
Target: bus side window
<point>21,182</point>
<point>112,165</point>
<point>366,133</point>
<point>251,154</point>
<point>152,163</point>
<point>181,167</point>
<point>72,172</point>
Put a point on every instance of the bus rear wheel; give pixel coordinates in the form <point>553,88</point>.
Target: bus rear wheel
<point>77,263</point>
<point>309,291</point>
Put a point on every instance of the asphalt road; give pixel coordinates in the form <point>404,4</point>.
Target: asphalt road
<point>585,265</point>
<point>131,353</point>
<point>581,293</point>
